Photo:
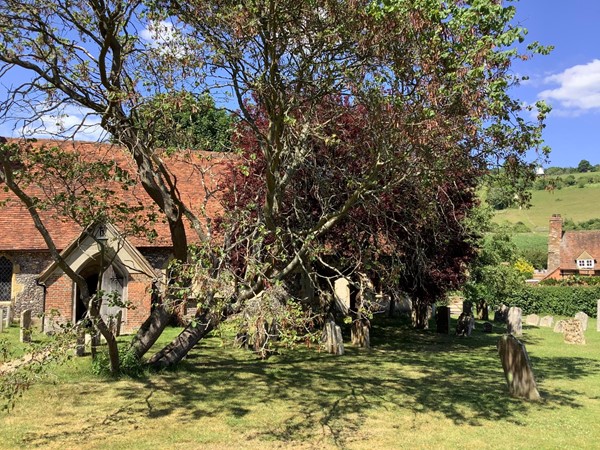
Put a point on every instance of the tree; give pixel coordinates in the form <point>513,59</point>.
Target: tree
<point>183,121</point>
<point>426,82</point>
<point>584,166</point>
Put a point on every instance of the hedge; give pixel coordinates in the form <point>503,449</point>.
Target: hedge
<point>559,300</point>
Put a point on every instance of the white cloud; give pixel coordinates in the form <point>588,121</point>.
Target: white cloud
<point>164,37</point>
<point>70,121</point>
<point>578,89</point>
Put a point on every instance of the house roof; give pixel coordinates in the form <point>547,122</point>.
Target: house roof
<point>575,243</point>
<point>195,173</point>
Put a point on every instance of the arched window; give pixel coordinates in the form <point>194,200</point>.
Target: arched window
<point>6,273</point>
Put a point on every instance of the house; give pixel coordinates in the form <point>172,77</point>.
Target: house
<point>572,252</point>
<point>30,279</point>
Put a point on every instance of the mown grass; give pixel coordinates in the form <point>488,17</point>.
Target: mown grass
<point>578,204</point>
<point>411,390</point>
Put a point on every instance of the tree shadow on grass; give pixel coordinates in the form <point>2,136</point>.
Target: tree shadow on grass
<point>407,372</point>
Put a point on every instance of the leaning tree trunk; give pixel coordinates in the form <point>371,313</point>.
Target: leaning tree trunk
<point>150,330</point>
<point>176,350</point>
<point>111,340</point>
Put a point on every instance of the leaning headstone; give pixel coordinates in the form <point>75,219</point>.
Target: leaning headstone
<point>468,308</point>
<point>583,318</point>
<point>487,327</point>
<point>517,368</point>
<point>25,334</point>
<point>532,319</point>
<point>547,321</point>
<point>500,314</point>
<point>573,332</point>
<point>514,323</point>
<point>442,319</point>
<point>558,328</point>
<point>332,338</point>
<point>341,292</point>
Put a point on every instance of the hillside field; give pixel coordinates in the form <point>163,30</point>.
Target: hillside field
<point>578,204</point>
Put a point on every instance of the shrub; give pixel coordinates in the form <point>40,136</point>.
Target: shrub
<point>131,365</point>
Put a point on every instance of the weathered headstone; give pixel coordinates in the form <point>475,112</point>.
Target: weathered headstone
<point>1,320</point>
<point>468,307</point>
<point>598,317</point>
<point>547,321</point>
<point>332,338</point>
<point>360,333</point>
<point>114,323</point>
<point>7,316</point>
<point>487,327</point>
<point>501,313</point>
<point>341,292</point>
<point>573,332</point>
<point>532,319</point>
<point>517,368</point>
<point>470,325</point>
<point>442,319</point>
<point>558,328</point>
<point>25,334</point>
<point>80,344</point>
<point>583,318</point>
<point>514,322</point>
<point>463,325</point>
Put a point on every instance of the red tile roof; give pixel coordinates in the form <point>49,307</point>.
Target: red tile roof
<point>193,172</point>
<point>574,243</point>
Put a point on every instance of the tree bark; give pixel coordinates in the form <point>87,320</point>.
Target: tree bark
<point>176,350</point>
<point>150,330</point>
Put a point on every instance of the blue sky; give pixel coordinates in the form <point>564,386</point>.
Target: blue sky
<point>568,78</point>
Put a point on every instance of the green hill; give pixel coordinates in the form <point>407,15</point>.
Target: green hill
<point>578,204</point>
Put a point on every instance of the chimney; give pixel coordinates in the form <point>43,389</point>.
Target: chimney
<point>554,238</point>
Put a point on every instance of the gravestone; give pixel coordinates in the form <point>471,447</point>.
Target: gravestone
<point>471,325</point>
<point>80,344</point>
<point>114,323</point>
<point>332,338</point>
<point>487,327</point>
<point>517,368</point>
<point>1,320</point>
<point>500,314</point>
<point>463,325</point>
<point>546,321</point>
<point>514,323</point>
<point>598,317</point>
<point>558,328</point>
<point>25,334</point>
<point>573,332</point>
<point>341,292</point>
<point>7,316</point>
<point>583,318</point>
<point>468,308</point>
<point>533,319</point>
<point>442,319</point>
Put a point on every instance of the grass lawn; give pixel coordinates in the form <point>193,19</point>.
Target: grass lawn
<point>411,390</point>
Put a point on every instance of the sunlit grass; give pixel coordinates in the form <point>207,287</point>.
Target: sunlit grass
<point>411,390</point>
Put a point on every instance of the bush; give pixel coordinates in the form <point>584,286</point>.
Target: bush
<point>559,300</point>
<point>131,366</point>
